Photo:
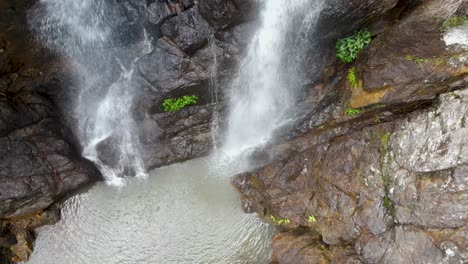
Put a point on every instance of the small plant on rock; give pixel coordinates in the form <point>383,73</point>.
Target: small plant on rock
<point>280,221</point>
<point>351,76</point>
<point>312,219</point>
<point>347,49</point>
<point>352,112</point>
<point>388,205</point>
<point>175,104</point>
<point>454,21</point>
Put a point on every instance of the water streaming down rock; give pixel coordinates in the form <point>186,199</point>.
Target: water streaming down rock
<point>263,94</point>
<point>96,37</point>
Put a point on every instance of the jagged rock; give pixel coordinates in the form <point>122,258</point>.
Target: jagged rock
<point>402,245</point>
<point>304,249</point>
<point>222,14</point>
<point>159,11</point>
<point>390,181</point>
<point>183,135</point>
<point>168,68</point>
<point>360,185</point>
<point>189,31</point>
<point>38,160</point>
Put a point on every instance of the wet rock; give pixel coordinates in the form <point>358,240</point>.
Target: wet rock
<point>402,245</point>
<point>408,63</point>
<point>168,68</point>
<point>361,186</point>
<point>20,233</point>
<point>223,14</point>
<point>38,159</point>
<point>391,182</point>
<point>182,136</point>
<point>189,31</point>
<point>308,249</point>
<point>357,187</point>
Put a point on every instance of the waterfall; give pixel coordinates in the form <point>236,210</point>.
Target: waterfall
<point>94,36</point>
<point>264,93</point>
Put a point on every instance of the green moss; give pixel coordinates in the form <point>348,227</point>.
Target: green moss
<point>454,21</point>
<point>175,104</point>
<point>435,62</point>
<point>347,49</point>
<point>352,79</point>
<point>384,170</point>
<point>388,205</point>
<point>385,138</point>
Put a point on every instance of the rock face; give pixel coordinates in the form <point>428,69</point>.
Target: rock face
<point>389,183</point>
<point>195,54</point>
<point>40,161</point>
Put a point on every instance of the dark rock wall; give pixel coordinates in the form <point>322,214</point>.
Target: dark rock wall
<point>196,53</point>
<point>39,159</point>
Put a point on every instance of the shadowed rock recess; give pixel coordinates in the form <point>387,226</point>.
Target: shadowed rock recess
<point>376,173</point>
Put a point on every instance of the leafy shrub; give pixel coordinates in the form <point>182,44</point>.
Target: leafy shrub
<point>347,49</point>
<point>352,80</point>
<point>175,104</point>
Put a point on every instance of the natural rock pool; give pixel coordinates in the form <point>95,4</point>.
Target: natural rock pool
<point>185,213</point>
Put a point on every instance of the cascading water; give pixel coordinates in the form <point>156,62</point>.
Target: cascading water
<point>263,94</point>
<point>185,213</point>
<point>89,34</point>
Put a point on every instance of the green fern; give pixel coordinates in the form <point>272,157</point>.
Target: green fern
<point>347,49</point>
<point>175,104</point>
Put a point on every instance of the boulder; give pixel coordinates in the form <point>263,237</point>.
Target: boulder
<point>189,31</point>
<point>39,159</point>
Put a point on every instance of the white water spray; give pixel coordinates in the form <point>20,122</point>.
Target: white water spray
<point>86,33</point>
<point>263,94</point>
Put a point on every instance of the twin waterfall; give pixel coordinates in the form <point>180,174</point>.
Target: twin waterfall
<point>90,34</point>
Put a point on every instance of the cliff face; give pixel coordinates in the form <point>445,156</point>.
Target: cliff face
<point>387,184</point>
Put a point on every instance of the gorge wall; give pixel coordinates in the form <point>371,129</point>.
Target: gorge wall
<point>375,174</point>
<point>386,183</point>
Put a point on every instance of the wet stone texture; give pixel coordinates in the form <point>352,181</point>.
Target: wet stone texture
<point>393,196</point>
<point>388,184</point>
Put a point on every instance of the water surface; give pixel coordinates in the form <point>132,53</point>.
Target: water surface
<point>186,213</point>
